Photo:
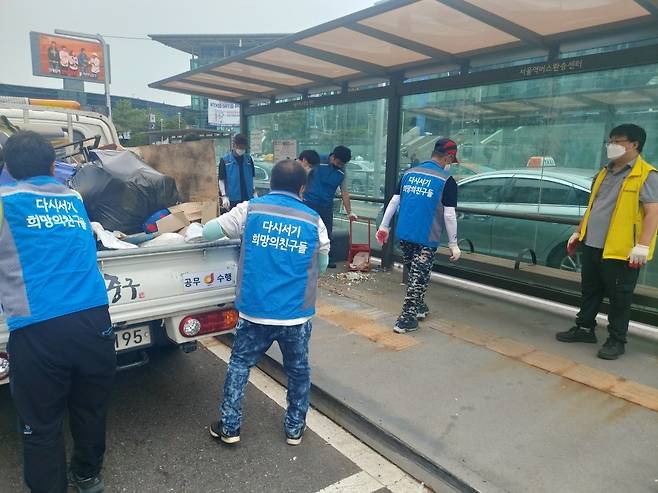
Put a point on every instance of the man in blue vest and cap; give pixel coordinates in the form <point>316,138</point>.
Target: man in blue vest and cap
<point>285,248</point>
<point>61,342</point>
<point>236,175</point>
<point>426,198</point>
<point>323,181</point>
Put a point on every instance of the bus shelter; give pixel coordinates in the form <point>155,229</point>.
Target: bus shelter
<point>528,89</point>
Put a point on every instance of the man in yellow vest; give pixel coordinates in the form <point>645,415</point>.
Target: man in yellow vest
<point>618,233</point>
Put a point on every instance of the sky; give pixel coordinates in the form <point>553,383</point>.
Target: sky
<point>138,62</point>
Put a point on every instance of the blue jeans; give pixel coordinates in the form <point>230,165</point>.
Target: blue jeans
<point>251,342</point>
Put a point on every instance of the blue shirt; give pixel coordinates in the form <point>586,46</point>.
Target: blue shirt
<point>421,206</point>
<point>48,253</point>
<point>278,270</point>
<point>238,175</point>
<point>323,181</point>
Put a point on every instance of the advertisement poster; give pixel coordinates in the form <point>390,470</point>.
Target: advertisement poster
<point>284,149</point>
<point>222,114</point>
<point>256,142</point>
<point>67,58</point>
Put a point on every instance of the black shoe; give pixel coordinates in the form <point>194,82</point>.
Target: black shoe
<point>612,349</point>
<point>331,265</point>
<point>423,312</point>
<point>93,484</point>
<point>404,326</point>
<point>217,430</point>
<point>577,334</point>
<point>295,439</point>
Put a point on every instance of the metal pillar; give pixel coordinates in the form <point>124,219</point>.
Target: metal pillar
<point>392,158</point>
<point>106,61</point>
<point>244,120</point>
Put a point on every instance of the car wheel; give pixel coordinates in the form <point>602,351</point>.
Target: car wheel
<point>559,259</point>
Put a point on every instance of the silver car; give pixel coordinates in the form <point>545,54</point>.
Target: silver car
<point>555,192</point>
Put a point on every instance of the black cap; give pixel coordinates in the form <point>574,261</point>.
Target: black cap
<point>342,153</point>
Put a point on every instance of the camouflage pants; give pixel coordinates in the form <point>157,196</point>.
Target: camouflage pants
<point>418,259</point>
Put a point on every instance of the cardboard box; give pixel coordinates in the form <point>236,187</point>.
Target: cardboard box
<point>208,212</point>
<point>196,211</point>
<point>192,210</point>
<point>172,223</point>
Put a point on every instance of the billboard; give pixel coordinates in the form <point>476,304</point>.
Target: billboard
<point>222,114</point>
<point>67,58</point>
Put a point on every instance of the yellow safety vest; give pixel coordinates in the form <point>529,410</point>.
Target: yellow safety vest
<point>627,218</point>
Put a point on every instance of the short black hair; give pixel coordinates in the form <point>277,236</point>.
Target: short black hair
<point>28,154</point>
<point>342,153</point>
<point>633,133</point>
<point>241,140</point>
<point>311,156</point>
<point>288,176</point>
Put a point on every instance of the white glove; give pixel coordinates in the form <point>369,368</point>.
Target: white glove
<point>382,235</point>
<point>456,252</point>
<point>638,256</point>
<point>353,217</point>
<point>225,203</point>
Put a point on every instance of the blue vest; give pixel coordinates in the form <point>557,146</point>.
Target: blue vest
<point>47,253</point>
<point>420,218</point>
<point>233,177</point>
<point>323,180</point>
<point>278,274</point>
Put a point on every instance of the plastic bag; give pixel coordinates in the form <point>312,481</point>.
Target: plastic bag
<point>120,191</point>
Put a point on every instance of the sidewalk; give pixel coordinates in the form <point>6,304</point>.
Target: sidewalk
<point>484,390</point>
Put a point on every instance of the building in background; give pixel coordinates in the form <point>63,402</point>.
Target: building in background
<point>208,48</point>
<point>88,100</point>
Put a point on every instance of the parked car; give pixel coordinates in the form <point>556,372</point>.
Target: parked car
<point>554,192</point>
<point>262,173</point>
<point>462,170</point>
<point>360,175</point>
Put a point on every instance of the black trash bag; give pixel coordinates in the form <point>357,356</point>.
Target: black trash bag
<point>120,191</point>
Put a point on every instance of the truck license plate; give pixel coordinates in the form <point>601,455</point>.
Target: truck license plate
<point>132,338</point>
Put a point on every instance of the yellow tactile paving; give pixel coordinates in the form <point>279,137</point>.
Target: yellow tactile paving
<point>548,362</point>
<point>592,377</point>
<point>636,392</point>
<point>628,390</point>
<point>365,325</point>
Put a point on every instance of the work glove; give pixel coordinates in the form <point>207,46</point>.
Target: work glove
<point>638,256</point>
<point>456,252</point>
<point>225,203</point>
<point>382,235</point>
<point>353,217</point>
<point>572,244</point>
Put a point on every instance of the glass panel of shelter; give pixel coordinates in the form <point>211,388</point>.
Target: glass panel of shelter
<point>551,127</point>
<point>360,126</point>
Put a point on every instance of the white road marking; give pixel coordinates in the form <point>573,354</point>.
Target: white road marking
<point>377,471</point>
<point>361,482</point>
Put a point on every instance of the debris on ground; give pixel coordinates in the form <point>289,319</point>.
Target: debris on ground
<point>351,278</point>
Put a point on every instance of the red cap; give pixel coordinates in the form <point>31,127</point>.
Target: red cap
<point>447,146</point>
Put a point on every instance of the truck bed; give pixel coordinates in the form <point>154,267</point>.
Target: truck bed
<point>164,282</point>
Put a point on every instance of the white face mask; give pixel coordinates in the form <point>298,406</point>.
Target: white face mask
<point>615,151</point>
<point>239,152</point>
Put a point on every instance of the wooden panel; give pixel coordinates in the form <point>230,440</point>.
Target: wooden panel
<point>192,164</point>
